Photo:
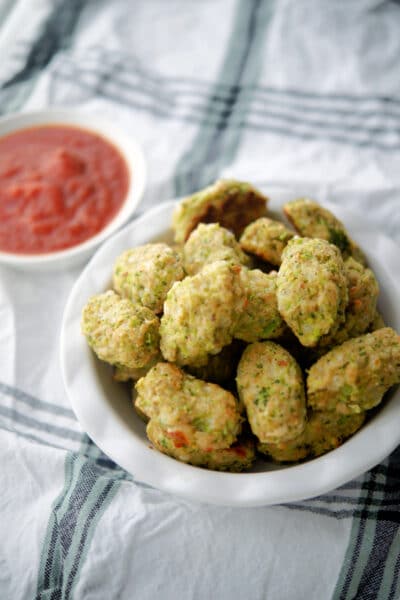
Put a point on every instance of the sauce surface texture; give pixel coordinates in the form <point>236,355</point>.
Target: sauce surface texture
<point>59,186</point>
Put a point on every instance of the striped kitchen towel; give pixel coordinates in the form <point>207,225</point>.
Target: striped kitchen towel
<point>288,94</point>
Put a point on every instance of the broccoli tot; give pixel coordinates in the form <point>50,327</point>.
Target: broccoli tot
<point>146,273</point>
<point>354,376</point>
<point>238,457</point>
<point>209,243</point>
<point>233,204</point>
<point>200,314</point>
<point>260,318</point>
<point>312,289</point>
<point>194,414</point>
<point>270,385</point>
<point>119,332</point>
<point>266,239</point>
<point>312,220</point>
<point>363,290</point>
<point>324,431</point>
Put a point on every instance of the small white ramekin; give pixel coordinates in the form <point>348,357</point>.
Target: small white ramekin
<point>129,149</point>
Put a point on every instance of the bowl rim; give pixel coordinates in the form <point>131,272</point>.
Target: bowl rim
<point>288,484</point>
<point>93,122</point>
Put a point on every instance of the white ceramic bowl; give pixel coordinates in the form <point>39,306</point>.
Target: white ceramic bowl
<point>104,409</point>
<point>131,152</point>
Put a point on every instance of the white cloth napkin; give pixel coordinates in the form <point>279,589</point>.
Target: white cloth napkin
<point>298,95</point>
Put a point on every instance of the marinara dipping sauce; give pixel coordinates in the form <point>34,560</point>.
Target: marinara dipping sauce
<point>59,186</point>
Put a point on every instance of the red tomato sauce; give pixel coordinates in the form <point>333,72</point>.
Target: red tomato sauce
<point>59,186</point>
